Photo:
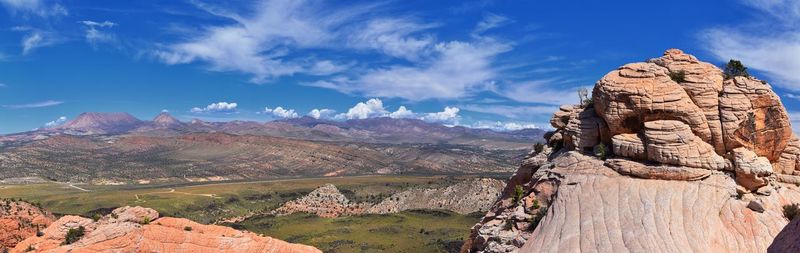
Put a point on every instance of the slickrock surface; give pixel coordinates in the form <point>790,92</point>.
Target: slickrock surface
<point>137,229</point>
<point>698,163</point>
<point>20,220</point>
<point>474,195</point>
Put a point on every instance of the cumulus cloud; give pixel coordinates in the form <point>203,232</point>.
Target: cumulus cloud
<point>363,110</point>
<point>322,113</point>
<point>402,113</point>
<point>95,33</point>
<point>47,103</point>
<point>770,43</point>
<point>220,107</point>
<point>57,122</point>
<point>281,113</point>
<point>34,8</point>
<point>502,126</point>
<point>449,116</point>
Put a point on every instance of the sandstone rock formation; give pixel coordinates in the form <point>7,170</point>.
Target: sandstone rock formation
<point>137,229</point>
<point>698,163</point>
<point>469,196</point>
<point>325,201</point>
<point>20,220</point>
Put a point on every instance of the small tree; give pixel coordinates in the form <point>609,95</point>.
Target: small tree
<point>751,127</point>
<point>600,151</point>
<point>678,76</point>
<point>791,211</point>
<point>583,96</point>
<point>74,235</point>
<point>518,192</point>
<point>538,147</point>
<point>735,68</point>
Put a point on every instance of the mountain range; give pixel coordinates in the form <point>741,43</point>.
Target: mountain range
<point>117,148</point>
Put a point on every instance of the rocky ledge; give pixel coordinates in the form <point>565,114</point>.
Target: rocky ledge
<point>669,155</point>
<point>138,229</point>
<point>20,220</point>
<point>474,195</point>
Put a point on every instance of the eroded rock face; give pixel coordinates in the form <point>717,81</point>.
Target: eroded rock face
<point>694,155</point>
<point>325,201</point>
<point>125,231</point>
<point>20,220</point>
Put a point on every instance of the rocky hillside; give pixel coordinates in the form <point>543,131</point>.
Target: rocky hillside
<point>475,195</point>
<point>20,220</point>
<point>137,229</point>
<point>667,151</point>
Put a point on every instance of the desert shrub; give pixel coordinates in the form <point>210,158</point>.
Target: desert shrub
<point>735,68</point>
<point>791,211</point>
<point>535,219</point>
<point>535,204</point>
<point>678,76</point>
<point>146,220</point>
<point>96,217</point>
<point>74,235</point>
<point>601,151</point>
<point>187,228</point>
<point>518,192</point>
<point>538,147</point>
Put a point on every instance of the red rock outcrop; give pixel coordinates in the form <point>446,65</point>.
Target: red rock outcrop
<point>20,220</point>
<point>137,229</point>
<point>698,163</point>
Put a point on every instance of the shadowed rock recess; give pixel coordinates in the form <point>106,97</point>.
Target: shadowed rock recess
<point>669,156</point>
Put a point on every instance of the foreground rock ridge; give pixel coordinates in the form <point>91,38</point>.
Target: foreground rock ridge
<point>669,155</point>
<point>138,229</point>
<point>20,220</point>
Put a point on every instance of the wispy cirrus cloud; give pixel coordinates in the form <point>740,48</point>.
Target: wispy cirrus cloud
<point>40,8</point>
<point>96,32</point>
<point>47,103</point>
<point>769,42</point>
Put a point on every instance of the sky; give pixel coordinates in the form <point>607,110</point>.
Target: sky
<point>504,65</point>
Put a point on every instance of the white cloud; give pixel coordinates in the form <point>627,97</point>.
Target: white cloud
<point>769,44</point>
<point>542,91</point>
<point>94,34</point>
<point>221,107</point>
<point>502,126</point>
<point>402,113</point>
<point>448,115</point>
<point>32,41</point>
<point>457,69</point>
<point>363,110</point>
<point>490,21</point>
<point>3,85</point>
<point>281,113</point>
<point>322,113</point>
<point>56,122</point>
<point>47,103</point>
<point>34,7</point>
<point>513,111</point>
<point>394,37</point>
<point>258,43</point>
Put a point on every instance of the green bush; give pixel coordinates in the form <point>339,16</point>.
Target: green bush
<point>678,76</point>
<point>535,219</point>
<point>791,211</point>
<point>518,192</point>
<point>735,68</point>
<point>601,151</point>
<point>146,220</point>
<point>74,235</point>
<point>538,147</point>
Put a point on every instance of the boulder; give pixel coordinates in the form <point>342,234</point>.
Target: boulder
<point>752,171</point>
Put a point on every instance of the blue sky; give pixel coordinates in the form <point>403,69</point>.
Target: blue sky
<point>498,64</point>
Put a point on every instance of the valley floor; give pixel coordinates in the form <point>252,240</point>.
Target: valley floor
<point>244,205</point>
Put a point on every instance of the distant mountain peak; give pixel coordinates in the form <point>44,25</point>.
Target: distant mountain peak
<point>166,120</point>
<point>104,122</point>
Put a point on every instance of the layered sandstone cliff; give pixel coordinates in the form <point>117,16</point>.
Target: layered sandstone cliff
<point>669,156</point>
<point>137,229</point>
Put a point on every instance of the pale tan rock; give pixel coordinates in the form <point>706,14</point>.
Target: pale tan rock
<point>630,146</point>
<point>585,129</point>
<point>160,235</point>
<point>752,171</point>
<point>325,201</point>
<point>655,171</point>
<point>672,142</point>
